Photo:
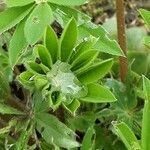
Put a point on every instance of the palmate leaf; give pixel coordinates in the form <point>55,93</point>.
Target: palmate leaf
<point>146,114</point>
<point>68,2</point>
<point>12,16</point>
<point>98,94</point>
<point>16,3</point>
<point>68,40</point>
<point>36,24</point>
<point>124,108</point>
<point>55,131</point>
<point>18,44</point>
<point>82,122</point>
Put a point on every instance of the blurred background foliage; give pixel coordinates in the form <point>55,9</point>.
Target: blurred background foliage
<point>103,12</point>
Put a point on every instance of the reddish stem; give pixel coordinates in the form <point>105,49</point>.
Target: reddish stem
<point>121,37</point>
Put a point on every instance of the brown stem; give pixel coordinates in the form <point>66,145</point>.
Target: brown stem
<point>2,122</point>
<point>16,71</point>
<point>17,104</point>
<point>60,114</point>
<point>121,37</point>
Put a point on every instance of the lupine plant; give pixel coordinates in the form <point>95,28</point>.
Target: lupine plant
<point>66,74</point>
<point>56,91</point>
<point>59,74</point>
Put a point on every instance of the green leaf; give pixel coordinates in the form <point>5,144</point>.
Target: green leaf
<point>5,90</point>
<point>25,79</point>
<point>84,60</point>
<point>40,82</point>
<point>4,109</point>
<point>35,68</point>
<point>68,3</point>
<point>104,44</point>
<point>87,142</point>
<point>146,114</point>
<point>146,16</point>
<point>136,43</point>
<point>68,40</point>
<point>44,55</point>
<point>90,29</point>
<point>18,44</point>
<point>127,136</point>
<point>81,48</point>
<point>98,94</point>
<point>112,30</point>
<point>12,16</point>
<point>140,61</point>
<point>82,122</point>
<point>54,99</point>
<point>15,3</point>
<point>22,142</point>
<point>64,13</point>
<point>147,41</point>
<point>55,131</point>
<point>95,72</point>
<point>37,22</point>
<point>39,104</point>
<point>73,106</point>
<point>51,43</point>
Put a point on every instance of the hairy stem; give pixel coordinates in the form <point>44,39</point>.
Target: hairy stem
<point>121,37</point>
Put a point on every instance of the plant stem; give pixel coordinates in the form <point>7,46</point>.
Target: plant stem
<point>16,103</point>
<point>121,37</point>
<point>60,114</point>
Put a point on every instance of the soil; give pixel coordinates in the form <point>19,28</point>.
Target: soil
<point>101,10</point>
